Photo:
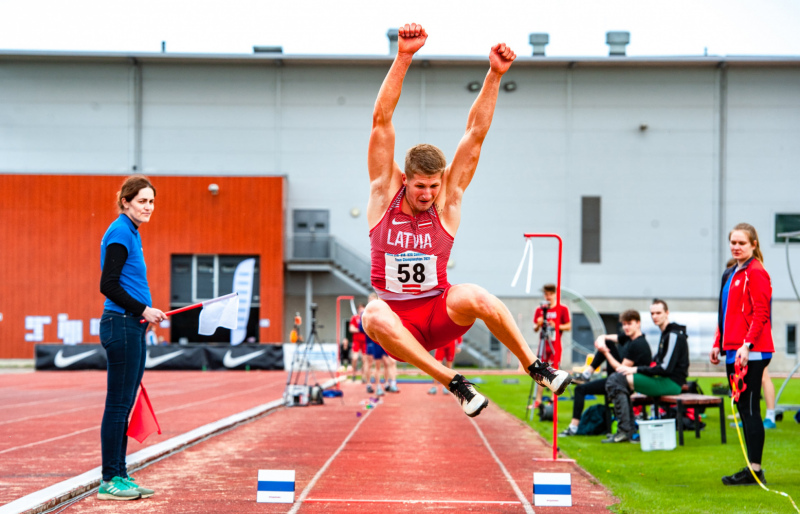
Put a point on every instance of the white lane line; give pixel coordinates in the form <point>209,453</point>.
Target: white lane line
<point>525,503</point>
<point>153,386</point>
<point>39,402</point>
<point>46,414</point>
<point>56,413</point>
<point>322,470</point>
<point>63,491</point>
<point>361,500</point>
<point>49,440</point>
<point>220,397</point>
<point>56,494</point>
<point>161,411</point>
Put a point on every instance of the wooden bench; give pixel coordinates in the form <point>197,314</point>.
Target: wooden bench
<point>681,401</point>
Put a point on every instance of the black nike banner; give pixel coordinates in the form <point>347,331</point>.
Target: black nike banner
<point>70,357</point>
<point>166,357</point>
<point>245,356</point>
<point>175,357</point>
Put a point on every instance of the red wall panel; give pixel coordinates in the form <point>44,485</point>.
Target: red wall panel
<point>51,227</point>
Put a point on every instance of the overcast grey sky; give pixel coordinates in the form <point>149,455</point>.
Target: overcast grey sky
<point>463,27</point>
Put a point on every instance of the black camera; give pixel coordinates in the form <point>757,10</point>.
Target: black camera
<point>548,332</point>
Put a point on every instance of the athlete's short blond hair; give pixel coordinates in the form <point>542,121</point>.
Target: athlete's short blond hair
<point>424,159</point>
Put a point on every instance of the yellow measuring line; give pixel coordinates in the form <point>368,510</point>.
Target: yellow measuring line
<point>744,451</point>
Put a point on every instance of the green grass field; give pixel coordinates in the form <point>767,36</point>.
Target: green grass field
<point>686,479</point>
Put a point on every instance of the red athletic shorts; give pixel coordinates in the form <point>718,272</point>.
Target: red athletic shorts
<point>427,320</point>
<point>446,352</point>
<point>359,343</point>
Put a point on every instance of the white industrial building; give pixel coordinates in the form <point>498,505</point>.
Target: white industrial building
<point>642,165</point>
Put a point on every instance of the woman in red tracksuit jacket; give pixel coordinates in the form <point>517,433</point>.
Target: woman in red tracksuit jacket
<point>744,332</point>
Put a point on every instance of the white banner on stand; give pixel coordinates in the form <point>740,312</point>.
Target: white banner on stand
<point>243,284</point>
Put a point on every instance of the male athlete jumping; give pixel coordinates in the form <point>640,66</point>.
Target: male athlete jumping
<point>413,217</point>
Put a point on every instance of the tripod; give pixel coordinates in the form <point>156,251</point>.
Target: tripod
<point>545,346</point>
<point>296,394</point>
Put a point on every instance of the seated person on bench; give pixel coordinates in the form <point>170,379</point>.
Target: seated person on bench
<point>665,377</point>
<point>623,349</point>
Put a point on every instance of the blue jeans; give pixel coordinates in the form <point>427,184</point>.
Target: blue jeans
<point>122,336</point>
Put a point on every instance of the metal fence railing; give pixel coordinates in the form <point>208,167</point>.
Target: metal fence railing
<point>325,248</point>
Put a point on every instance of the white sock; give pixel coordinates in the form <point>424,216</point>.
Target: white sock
<point>771,415</point>
<point>393,383</point>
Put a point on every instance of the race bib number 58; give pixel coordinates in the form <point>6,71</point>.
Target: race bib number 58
<point>410,272</point>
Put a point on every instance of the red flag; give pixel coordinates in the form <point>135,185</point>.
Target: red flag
<point>143,419</point>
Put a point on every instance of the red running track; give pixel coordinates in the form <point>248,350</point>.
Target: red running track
<point>412,453</point>
<point>50,421</point>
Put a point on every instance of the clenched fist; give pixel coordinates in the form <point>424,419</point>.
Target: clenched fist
<point>411,37</point>
<point>501,57</point>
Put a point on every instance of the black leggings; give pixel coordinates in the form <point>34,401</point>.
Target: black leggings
<point>749,406</point>
<point>593,387</point>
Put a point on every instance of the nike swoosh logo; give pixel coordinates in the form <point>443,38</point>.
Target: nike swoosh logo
<point>152,362</point>
<point>395,222</point>
<point>62,362</point>
<point>229,361</point>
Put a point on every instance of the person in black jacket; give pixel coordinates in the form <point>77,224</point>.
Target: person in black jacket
<point>664,377</point>
<point>624,348</point>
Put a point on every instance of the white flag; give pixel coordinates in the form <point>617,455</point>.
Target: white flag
<point>243,284</point>
<point>219,312</point>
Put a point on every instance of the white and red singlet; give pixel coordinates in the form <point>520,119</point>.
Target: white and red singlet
<point>409,254</point>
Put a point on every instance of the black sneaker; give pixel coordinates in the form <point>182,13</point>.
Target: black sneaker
<point>569,431</point>
<point>744,477</point>
<point>471,401</point>
<point>619,437</point>
<point>554,379</point>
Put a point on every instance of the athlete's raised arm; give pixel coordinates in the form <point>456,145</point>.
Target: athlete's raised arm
<point>384,173</point>
<point>465,160</point>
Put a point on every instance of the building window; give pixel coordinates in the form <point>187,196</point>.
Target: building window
<point>590,229</point>
<point>196,278</point>
<point>791,339</point>
<point>787,223</point>
<point>494,344</point>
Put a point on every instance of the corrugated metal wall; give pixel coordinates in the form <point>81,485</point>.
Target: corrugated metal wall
<point>52,226</point>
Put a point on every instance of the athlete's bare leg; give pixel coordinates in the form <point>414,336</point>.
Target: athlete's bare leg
<point>769,390</point>
<point>356,359</point>
<point>465,303</point>
<point>380,368</point>
<point>384,326</point>
<point>391,368</point>
<point>366,374</point>
<point>468,302</point>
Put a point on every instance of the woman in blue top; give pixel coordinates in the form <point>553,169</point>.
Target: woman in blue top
<point>122,330</point>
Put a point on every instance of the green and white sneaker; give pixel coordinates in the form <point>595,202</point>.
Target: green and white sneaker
<point>118,489</point>
<point>145,492</point>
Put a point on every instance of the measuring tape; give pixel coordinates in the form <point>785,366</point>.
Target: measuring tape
<point>737,388</point>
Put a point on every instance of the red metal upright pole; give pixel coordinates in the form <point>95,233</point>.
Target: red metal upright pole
<point>558,334</point>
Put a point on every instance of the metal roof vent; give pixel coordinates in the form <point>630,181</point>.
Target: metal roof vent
<point>267,49</point>
<point>539,40</point>
<point>392,34</point>
<point>617,41</point>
